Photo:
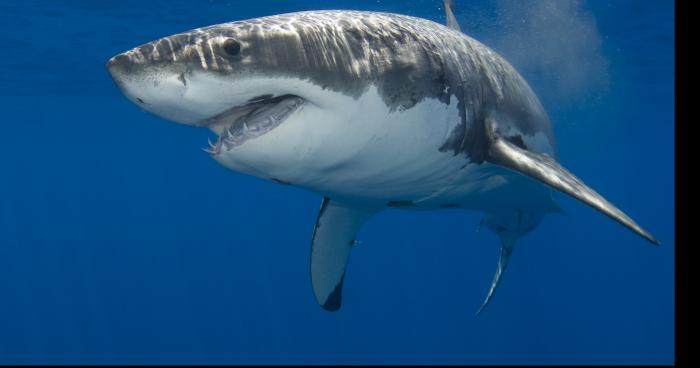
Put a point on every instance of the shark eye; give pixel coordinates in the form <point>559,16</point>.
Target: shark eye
<point>232,47</point>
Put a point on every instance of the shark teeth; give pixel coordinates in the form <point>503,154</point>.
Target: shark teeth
<point>251,121</point>
<point>213,149</point>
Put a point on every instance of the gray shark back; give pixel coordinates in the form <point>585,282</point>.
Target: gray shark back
<point>409,59</point>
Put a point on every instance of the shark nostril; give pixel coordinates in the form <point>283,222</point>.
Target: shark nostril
<point>140,100</point>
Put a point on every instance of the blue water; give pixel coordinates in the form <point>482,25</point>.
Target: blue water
<point>122,242</point>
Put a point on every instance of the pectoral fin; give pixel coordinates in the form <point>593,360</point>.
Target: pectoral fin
<point>546,170</point>
<point>334,235</point>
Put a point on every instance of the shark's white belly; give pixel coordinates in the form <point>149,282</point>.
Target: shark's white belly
<point>360,150</point>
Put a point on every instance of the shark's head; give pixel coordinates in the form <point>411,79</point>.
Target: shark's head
<point>242,80</point>
<point>193,77</point>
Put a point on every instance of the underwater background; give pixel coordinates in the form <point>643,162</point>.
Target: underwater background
<point>121,241</point>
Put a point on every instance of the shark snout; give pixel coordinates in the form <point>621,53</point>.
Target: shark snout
<point>116,67</point>
<point>157,86</point>
<point>139,76</point>
<point>123,64</point>
<point>118,61</point>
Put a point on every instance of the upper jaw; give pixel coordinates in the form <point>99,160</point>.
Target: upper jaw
<point>250,120</point>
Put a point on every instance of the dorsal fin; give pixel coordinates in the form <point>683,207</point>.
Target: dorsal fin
<point>450,15</point>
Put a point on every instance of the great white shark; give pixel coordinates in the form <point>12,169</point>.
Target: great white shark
<point>369,110</point>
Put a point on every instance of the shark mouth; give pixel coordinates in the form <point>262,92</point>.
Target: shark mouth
<point>242,123</point>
